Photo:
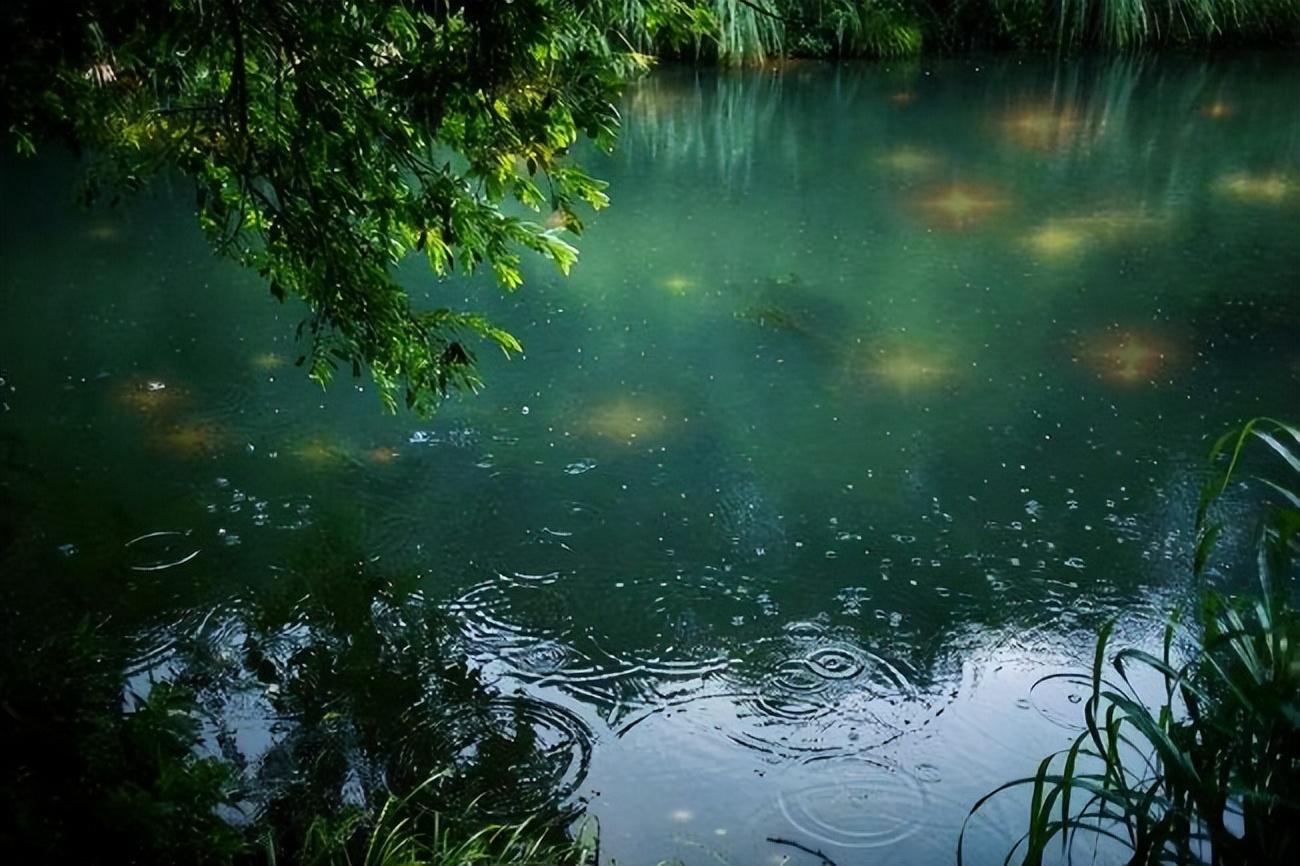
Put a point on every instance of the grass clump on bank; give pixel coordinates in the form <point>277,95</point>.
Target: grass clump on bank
<point>1208,770</point>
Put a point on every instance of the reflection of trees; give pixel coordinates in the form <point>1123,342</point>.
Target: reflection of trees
<point>351,676</point>
<point>332,691</point>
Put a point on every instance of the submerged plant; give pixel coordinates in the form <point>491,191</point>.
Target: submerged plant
<point>1208,773</point>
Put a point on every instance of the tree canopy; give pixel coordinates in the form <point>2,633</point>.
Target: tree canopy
<point>329,141</point>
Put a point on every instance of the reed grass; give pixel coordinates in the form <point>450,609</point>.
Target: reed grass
<point>405,832</point>
<point>1209,771</point>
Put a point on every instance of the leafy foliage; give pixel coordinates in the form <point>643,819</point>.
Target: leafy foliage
<point>1211,772</point>
<point>754,31</point>
<point>327,142</point>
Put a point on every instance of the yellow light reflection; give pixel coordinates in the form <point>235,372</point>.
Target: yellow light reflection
<point>1257,188</point>
<point>960,206</point>
<point>268,361</point>
<point>319,452</point>
<point>1063,239</point>
<point>677,285</point>
<point>1128,358</point>
<point>625,420</point>
<point>905,367</point>
<point>1056,241</point>
<point>191,439</point>
<point>1042,128</point>
<point>908,160</point>
<point>381,456</point>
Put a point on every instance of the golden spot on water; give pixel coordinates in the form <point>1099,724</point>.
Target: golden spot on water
<point>677,285</point>
<point>902,366</point>
<point>1257,188</point>
<point>960,206</point>
<point>557,219</point>
<point>908,160</point>
<point>146,396</point>
<point>104,232</point>
<point>268,361</point>
<point>1117,223</point>
<point>625,420</point>
<point>901,98</point>
<point>381,456</point>
<point>191,439</point>
<point>1064,238</point>
<point>1217,110</point>
<point>1128,358</point>
<point>1042,128</point>
<point>906,371</point>
<point>1056,241</point>
<point>319,452</point>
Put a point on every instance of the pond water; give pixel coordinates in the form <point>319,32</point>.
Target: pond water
<point>874,393</point>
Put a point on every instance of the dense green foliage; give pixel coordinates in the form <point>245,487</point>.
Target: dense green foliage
<point>327,142</point>
<point>1207,771</point>
<point>749,31</point>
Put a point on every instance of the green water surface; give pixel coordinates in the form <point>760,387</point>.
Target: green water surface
<point>874,393</point>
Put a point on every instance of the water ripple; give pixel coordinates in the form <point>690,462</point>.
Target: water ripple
<point>853,802</point>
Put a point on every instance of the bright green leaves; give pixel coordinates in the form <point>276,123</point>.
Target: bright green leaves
<point>330,143</point>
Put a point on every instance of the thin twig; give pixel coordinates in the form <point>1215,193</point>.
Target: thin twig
<point>826,861</point>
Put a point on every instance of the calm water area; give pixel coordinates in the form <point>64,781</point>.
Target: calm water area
<point>876,391</point>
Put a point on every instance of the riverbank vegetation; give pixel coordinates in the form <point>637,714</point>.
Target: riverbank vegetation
<point>754,31</point>
<point>1192,761</point>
